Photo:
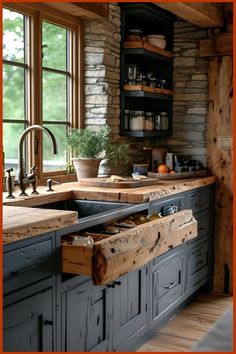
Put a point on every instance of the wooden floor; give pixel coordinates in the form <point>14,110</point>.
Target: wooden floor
<point>189,325</point>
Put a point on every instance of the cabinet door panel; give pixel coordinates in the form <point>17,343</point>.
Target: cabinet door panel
<point>28,324</point>
<point>129,306</point>
<point>167,284</point>
<point>86,319</point>
<point>198,263</point>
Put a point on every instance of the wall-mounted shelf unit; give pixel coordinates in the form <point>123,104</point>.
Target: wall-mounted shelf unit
<point>148,58</point>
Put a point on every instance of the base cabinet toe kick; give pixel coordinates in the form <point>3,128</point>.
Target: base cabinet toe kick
<point>137,272</point>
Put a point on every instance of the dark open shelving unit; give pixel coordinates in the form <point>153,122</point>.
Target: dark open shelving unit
<point>151,20</point>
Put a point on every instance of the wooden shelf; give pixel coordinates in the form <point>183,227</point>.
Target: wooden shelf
<point>147,89</point>
<point>146,134</point>
<point>148,47</point>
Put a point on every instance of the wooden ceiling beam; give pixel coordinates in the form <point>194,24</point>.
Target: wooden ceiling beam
<point>203,14</point>
<point>84,10</point>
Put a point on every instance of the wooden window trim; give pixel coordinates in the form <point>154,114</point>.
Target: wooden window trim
<point>39,12</point>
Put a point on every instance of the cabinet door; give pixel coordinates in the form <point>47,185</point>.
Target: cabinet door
<point>130,305</point>
<point>27,324</point>
<point>167,284</point>
<point>198,264</point>
<point>86,316</point>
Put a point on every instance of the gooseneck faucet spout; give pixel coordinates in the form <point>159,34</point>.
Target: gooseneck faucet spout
<point>23,179</point>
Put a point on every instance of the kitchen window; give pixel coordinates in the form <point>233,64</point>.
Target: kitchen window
<point>40,85</point>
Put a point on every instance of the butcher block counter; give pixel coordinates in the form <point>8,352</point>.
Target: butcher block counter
<point>20,221</point>
<point>127,195</point>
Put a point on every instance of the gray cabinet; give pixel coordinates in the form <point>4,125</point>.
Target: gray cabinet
<point>28,324</point>
<point>130,306</point>
<point>167,282</point>
<point>85,318</point>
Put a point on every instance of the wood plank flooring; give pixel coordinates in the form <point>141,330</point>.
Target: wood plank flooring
<point>189,326</point>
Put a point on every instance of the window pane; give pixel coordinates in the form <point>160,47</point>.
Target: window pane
<point>13,92</point>
<point>50,161</point>
<point>11,136</point>
<point>54,97</point>
<point>13,36</point>
<point>54,46</point>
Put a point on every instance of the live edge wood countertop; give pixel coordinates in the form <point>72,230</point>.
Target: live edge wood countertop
<point>20,221</point>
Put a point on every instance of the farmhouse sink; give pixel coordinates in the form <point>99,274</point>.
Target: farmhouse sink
<point>93,212</point>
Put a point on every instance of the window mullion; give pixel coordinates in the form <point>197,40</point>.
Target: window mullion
<point>37,89</point>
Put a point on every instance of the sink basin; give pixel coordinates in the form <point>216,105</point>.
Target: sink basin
<point>94,212</point>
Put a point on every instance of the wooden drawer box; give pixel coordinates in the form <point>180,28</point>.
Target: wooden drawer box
<point>27,265</point>
<point>116,255</point>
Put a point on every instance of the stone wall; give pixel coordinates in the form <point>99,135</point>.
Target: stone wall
<point>102,70</point>
<point>190,104</point>
<point>102,80</point>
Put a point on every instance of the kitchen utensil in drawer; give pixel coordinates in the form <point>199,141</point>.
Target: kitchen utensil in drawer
<point>168,209</point>
<point>86,241</point>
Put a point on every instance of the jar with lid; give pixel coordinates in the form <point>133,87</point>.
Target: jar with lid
<point>126,119</point>
<point>152,82</point>
<point>144,80</point>
<point>134,35</point>
<point>149,121</point>
<point>164,120</point>
<point>136,121</point>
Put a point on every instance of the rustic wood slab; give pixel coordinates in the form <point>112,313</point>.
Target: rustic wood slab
<point>20,223</point>
<point>127,183</point>
<point>147,89</point>
<point>74,190</point>
<point>110,258</point>
<point>177,175</point>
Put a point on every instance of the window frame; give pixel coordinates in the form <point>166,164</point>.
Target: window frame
<point>38,13</point>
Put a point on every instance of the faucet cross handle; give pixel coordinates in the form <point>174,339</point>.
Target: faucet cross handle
<point>49,184</point>
<point>10,184</point>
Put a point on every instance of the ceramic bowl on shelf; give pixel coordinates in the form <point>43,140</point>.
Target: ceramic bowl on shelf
<point>157,40</point>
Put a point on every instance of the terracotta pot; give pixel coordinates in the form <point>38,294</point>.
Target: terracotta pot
<point>86,168</point>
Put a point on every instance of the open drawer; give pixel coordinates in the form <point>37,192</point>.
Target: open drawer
<point>109,258</point>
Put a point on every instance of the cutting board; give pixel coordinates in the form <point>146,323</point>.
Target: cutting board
<point>127,183</point>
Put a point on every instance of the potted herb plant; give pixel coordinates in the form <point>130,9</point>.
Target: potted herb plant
<point>89,147</point>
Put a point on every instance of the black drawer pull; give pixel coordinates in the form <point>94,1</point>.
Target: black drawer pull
<point>48,323</point>
<point>199,263</point>
<point>168,209</point>
<point>111,285</point>
<point>117,282</point>
<point>170,285</point>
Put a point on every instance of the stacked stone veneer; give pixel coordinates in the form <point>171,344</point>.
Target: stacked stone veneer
<point>102,70</point>
<point>190,104</point>
<point>102,41</point>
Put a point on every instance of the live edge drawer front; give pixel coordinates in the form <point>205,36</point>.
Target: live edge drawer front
<point>127,251</point>
<point>27,265</point>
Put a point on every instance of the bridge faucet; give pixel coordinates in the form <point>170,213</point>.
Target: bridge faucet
<point>24,180</point>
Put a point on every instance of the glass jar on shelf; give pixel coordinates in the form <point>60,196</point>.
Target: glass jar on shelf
<point>136,121</point>
<point>157,121</point>
<point>149,121</point>
<point>164,120</point>
<point>126,119</point>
